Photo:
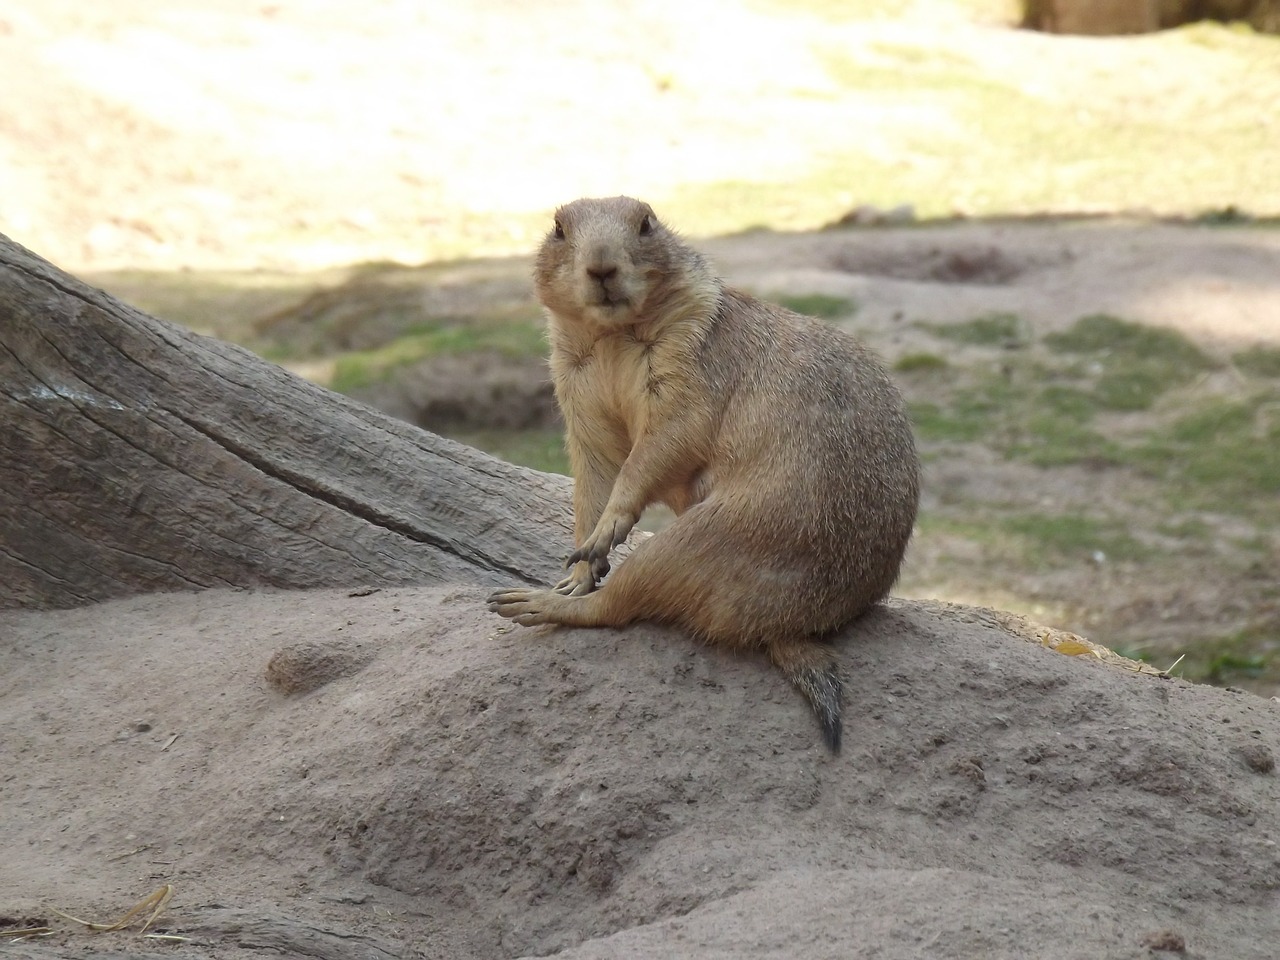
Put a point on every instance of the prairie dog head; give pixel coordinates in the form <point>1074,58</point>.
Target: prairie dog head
<point>612,263</point>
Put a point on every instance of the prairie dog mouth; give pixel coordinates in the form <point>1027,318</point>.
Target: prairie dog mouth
<point>607,293</point>
<point>610,309</point>
<point>608,301</point>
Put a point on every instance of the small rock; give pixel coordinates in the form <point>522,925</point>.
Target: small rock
<point>309,665</point>
<point>1165,940</point>
<point>1259,757</point>
<point>902,213</point>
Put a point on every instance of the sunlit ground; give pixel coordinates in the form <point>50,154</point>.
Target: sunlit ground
<point>234,134</point>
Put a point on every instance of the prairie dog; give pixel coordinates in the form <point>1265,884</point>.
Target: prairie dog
<point>779,442</point>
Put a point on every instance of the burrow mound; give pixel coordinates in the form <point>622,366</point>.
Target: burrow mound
<point>942,260</point>
<point>604,791</point>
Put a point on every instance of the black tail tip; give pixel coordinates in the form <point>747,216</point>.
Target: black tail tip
<point>830,723</point>
<point>824,692</point>
<point>815,674</point>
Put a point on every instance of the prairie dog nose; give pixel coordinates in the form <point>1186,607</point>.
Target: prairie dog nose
<point>601,261</point>
<point>602,271</point>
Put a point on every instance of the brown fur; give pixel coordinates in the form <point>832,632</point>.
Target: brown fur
<point>779,441</point>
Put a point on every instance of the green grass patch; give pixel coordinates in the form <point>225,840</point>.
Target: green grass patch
<point>1186,528</point>
<point>934,524</point>
<point>980,410</point>
<point>1220,454</point>
<point>1070,403</point>
<point>1103,333</point>
<point>539,449</point>
<point>1242,657</point>
<point>920,363</point>
<point>989,330</point>
<point>1223,456</point>
<point>1130,365</point>
<point>360,368</point>
<point>1073,536</point>
<point>943,423</point>
<point>1135,652</point>
<point>819,305</point>
<point>1259,361</point>
<point>1215,422</point>
<point>1039,540</point>
<point>1021,413</point>
<point>1046,440</point>
<point>1133,389</point>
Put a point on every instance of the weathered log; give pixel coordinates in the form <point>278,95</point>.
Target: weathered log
<point>138,456</point>
<point>283,936</point>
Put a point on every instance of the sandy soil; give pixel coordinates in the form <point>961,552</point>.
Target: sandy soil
<point>406,775</point>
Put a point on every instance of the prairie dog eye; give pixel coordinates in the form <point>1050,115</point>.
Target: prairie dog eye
<point>559,230</point>
<point>646,225</point>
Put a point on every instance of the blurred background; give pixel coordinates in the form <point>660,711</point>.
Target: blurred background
<point>1057,219</point>
<point>253,133</point>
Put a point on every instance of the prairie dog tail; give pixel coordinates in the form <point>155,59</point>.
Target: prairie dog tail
<point>811,666</point>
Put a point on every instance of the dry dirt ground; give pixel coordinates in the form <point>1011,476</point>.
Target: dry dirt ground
<point>400,774</point>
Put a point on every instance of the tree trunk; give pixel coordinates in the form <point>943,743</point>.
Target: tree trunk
<point>1109,17</point>
<point>1099,17</point>
<point>137,456</point>
<point>1263,15</point>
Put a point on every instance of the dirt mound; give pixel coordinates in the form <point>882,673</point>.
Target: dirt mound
<point>461,787</point>
<point>941,259</point>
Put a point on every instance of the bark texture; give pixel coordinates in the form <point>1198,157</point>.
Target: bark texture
<point>1109,17</point>
<point>1102,17</point>
<point>137,456</point>
<point>1263,15</point>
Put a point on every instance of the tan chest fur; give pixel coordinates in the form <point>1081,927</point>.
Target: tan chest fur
<point>612,386</point>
